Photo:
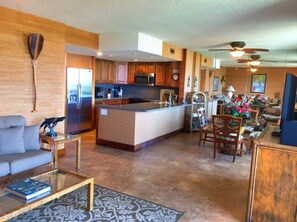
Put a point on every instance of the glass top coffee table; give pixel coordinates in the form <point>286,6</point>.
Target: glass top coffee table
<point>62,182</point>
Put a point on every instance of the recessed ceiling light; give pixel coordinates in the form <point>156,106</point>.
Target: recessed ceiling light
<point>99,53</point>
<point>110,56</point>
<point>135,60</point>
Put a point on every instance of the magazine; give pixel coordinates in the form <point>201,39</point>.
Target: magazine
<point>28,188</point>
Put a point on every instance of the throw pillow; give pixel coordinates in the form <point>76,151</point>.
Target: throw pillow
<point>12,140</point>
<point>31,137</point>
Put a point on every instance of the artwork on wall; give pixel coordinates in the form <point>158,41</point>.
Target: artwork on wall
<point>258,83</point>
<point>216,83</point>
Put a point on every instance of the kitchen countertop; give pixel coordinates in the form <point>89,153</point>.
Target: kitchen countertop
<point>143,107</point>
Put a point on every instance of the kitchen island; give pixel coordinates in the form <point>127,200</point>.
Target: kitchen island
<point>135,126</point>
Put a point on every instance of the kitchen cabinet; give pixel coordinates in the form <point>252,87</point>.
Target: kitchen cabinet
<point>145,67</point>
<point>113,102</point>
<point>121,72</point>
<point>98,71</point>
<point>105,71</point>
<point>131,72</point>
<point>273,180</point>
<point>172,68</point>
<point>160,75</point>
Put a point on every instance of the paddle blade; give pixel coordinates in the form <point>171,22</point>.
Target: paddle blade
<point>35,45</point>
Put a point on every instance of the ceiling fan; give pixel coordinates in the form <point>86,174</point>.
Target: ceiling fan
<point>238,49</point>
<point>254,60</point>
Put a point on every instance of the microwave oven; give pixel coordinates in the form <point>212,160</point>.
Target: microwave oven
<point>144,79</point>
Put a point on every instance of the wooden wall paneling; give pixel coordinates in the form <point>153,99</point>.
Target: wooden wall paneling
<point>240,79</point>
<point>172,52</point>
<point>16,72</point>
<point>81,38</point>
<point>182,77</point>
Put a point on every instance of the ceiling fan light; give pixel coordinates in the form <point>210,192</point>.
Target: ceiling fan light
<point>237,53</point>
<point>253,69</point>
<point>255,63</point>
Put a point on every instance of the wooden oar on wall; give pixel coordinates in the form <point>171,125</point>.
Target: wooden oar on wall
<point>35,46</point>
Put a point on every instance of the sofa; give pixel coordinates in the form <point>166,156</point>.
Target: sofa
<point>273,115</point>
<point>21,155</point>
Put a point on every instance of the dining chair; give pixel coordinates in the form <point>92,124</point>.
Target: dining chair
<point>227,134</point>
<point>205,128</point>
<point>253,121</point>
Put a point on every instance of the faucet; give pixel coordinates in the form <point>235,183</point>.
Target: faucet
<point>170,96</point>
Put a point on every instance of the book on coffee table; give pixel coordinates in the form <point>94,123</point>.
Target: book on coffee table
<point>28,188</point>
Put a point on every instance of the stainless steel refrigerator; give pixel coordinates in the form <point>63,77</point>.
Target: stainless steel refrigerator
<point>79,100</point>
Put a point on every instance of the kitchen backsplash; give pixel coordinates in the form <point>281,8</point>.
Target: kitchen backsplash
<point>130,91</point>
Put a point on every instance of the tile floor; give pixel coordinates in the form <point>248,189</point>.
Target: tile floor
<point>175,173</point>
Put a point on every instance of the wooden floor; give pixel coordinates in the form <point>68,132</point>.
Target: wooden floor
<point>175,173</point>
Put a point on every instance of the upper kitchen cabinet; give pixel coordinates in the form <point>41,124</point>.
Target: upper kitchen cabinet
<point>160,73</point>
<point>145,67</point>
<point>105,71</point>
<point>121,72</point>
<point>172,52</point>
<point>172,74</point>
<point>206,62</point>
<point>131,72</point>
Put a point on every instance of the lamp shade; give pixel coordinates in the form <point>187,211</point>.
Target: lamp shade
<point>255,62</point>
<point>230,89</point>
<point>236,53</point>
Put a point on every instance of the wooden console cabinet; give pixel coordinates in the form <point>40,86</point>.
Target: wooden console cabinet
<point>273,180</point>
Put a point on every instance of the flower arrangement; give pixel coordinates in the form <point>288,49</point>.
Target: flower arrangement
<point>258,100</point>
<point>236,107</point>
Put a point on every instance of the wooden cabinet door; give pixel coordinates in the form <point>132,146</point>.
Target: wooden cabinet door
<point>140,67</point>
<point>172,68</point>
<point>98,71</point>
<point>121,72</point>
<point>104,71</point>
<point>111,72</point>
<point>145,67</point>
<point>150,67</point>
<point>160,73</point>
<point>131,72</point>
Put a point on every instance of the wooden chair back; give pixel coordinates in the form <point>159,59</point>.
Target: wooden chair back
<point>205,128</point>
<point>254,116</point>
<point>227,129</point>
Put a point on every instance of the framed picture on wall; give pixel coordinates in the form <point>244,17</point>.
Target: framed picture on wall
<point>216,84</point>
<point>258,83</point>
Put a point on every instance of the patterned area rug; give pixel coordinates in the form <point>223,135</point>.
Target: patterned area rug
<point>109,206</point>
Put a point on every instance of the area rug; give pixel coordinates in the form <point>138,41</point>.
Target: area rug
<point>109,205</point>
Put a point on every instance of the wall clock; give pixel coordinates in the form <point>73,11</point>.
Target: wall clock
<point>175,76</point>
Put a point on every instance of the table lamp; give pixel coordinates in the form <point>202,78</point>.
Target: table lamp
<point>230,91</point>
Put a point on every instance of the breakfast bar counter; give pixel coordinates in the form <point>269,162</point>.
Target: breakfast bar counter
<point>135,126</point>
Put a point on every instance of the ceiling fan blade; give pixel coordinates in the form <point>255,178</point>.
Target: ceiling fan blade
<point>242,60</point>
<point>253,50</point>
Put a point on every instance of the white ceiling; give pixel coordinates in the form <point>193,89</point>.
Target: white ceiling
<point>197,25</point>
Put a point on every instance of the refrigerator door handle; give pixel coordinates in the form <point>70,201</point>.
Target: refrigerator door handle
<point>80,96</point>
